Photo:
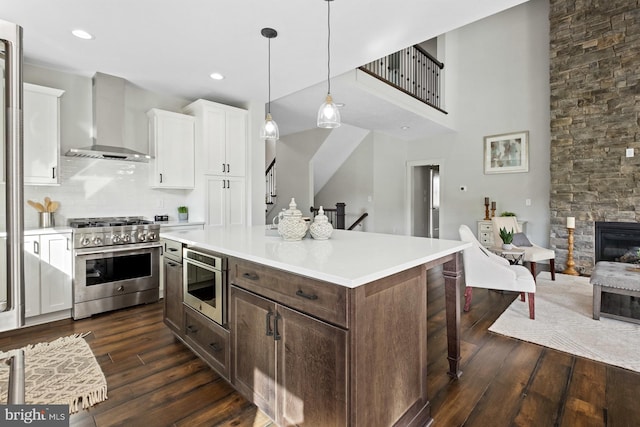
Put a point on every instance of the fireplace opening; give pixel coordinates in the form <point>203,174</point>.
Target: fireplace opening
<point>617,241</point>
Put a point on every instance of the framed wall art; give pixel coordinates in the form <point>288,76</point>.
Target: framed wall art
<point>506,153</point>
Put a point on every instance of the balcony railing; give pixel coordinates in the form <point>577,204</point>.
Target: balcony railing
<point>413,71</point>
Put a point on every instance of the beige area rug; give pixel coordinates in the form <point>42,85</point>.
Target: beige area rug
<point>63,371</point>
<point>564,321</point>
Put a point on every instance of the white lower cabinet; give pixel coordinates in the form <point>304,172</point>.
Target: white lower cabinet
<point>226,200</point>
<point>47,273</point>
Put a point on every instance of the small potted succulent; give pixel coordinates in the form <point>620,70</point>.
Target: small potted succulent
<point>183,213</point>
<point>507,238</point>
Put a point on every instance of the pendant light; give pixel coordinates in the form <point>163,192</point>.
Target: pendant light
<point>270,128</point>
<point>328,114</point>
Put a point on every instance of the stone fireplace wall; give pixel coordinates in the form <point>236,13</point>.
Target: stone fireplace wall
<point>595,117</point>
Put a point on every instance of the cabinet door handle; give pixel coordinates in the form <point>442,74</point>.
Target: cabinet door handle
<point>172,249</point>
<point>36,247</point>
<point>269,332</point>
<point>171,264</point>
<point>68,244</point>
<point>228,184</point>
<point>192,329</point>
<point>53,172</point>
<point>251,276</point>
<point>307,296</point>
<point>215,347</point>
<point>276,334</point>
<point>228,168</point>
<point>224,183</point>
<point>224,169</point>
<point>160,178</point>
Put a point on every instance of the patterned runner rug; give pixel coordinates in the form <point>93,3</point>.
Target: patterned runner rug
<point>63,371</point>
<point>564,321</point>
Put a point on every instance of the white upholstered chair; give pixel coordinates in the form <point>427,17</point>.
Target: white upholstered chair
<point>533,253</point>
<point>484,269</point>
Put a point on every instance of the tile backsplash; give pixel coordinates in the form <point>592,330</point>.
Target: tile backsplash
<point>95,187</point>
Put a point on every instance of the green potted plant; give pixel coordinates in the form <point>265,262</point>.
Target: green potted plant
<point>183,213</point>
<point>507,238</point>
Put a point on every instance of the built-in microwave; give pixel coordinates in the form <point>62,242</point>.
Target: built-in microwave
<point>205,283</point>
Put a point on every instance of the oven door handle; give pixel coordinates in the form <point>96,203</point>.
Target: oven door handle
<point>112,249</point>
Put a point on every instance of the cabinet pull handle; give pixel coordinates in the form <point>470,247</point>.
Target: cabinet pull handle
<point>276,334</point>
<point>36,247</point>
<point>269,332</point>
<point>224,168</point>
<point>53,172</point>
<point>171,264</point>
<point>68,244</point>
<point>215,347</point>
<point>251,276</point>
<point>192,329</point>
<point>307,296</point>
<point>172,249</point>
<point>228,168</point>
<point>160,178</point>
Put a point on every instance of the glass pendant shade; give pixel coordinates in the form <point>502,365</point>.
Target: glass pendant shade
<point>328,114</point>
<point>269,129</point>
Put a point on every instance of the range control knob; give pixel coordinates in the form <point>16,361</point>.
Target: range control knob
<point>97,241</point>
<point>126,238</point>
<point>142,237</point>
<point>152,236</point>
<point>115,238</point>
<point>84,241</point>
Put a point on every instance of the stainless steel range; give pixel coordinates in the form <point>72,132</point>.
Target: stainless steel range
<point>116,263</point>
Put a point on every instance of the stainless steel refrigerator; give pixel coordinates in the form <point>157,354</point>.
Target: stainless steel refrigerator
<point>11,197</point>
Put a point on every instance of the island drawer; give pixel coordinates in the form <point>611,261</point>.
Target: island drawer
<point>323,300</point>
<point>208,339</point>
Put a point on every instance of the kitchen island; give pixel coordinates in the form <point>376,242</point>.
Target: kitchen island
<point>331,332</point>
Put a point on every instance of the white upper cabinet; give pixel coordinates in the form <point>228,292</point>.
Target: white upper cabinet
<point>41,119</point>
<point>171,145</point>
<point>222,132</point>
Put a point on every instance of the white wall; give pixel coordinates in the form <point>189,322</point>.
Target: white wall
<point>293,174</point>
<point>497,73</point>
<point>352,184</point>
<point>496,77</point>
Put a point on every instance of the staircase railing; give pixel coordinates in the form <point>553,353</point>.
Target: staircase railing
<point>358,221</point>
<point>413,71</point>
<point>270,177</point>
<point>337,216</point>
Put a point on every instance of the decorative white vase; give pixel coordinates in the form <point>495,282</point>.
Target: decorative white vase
<point>291,225</point>
<point>507,246</point>
<point>321,228</point>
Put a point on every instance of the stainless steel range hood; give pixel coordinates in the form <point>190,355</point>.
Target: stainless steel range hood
<point>108,123</point>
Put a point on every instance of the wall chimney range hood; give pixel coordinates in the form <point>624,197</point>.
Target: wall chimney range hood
<point>108,123</point>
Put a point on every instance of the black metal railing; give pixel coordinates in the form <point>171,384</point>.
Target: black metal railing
<point>412,70</point>
<point>358,221</point>
<point>270,177</point>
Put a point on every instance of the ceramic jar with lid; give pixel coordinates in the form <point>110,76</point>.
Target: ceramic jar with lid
<point>321,228</point>
<point>291,225</point>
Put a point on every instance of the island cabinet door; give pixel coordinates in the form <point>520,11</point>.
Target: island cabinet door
<point>253,348</point>
<point>312,371</point>
<point>173,311</point>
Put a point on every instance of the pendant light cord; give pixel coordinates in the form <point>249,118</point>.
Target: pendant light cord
<point>329,46</point>
<point>269,74</point>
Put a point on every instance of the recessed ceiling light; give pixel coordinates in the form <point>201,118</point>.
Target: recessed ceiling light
<point>82,34</point>
<point>404,127</point>
<point>216,76</point>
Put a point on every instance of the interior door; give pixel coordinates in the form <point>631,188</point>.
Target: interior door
<point>11,283</point>
<point>426,201</point>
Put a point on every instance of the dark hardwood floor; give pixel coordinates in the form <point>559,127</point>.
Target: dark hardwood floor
<point>153,380</point>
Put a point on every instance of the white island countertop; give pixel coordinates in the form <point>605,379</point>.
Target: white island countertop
<point>349,258</point>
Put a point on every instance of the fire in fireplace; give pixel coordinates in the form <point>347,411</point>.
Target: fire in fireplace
<point>617,241</point>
